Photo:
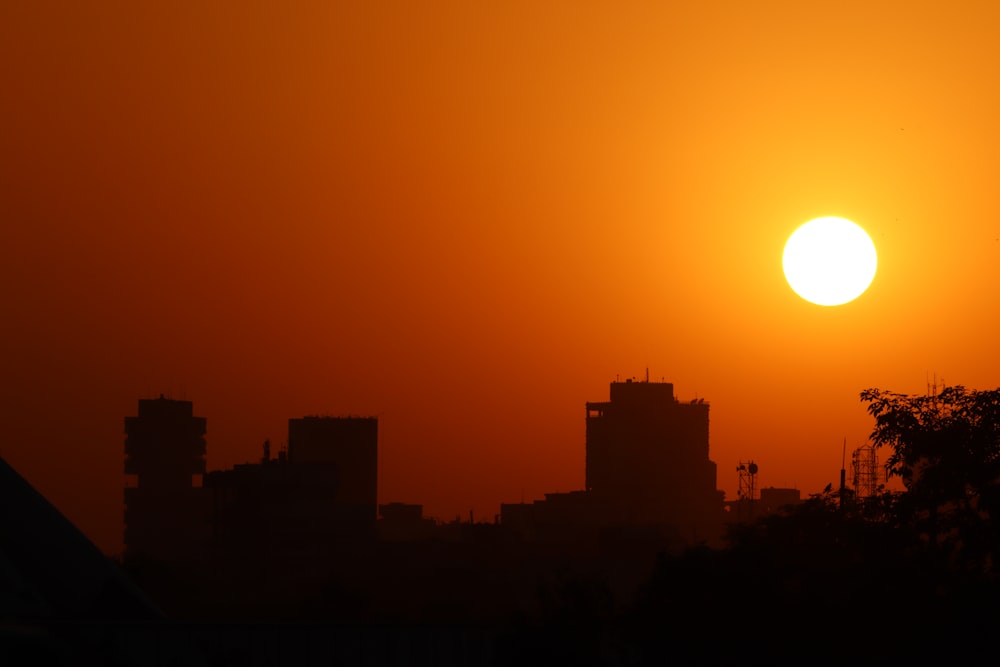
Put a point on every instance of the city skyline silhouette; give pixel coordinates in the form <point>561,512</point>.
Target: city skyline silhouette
<point>646,456</point>
<point>464,221</point>
<point>284,557</point>
<point>426,216</point>
<point>647,466</point>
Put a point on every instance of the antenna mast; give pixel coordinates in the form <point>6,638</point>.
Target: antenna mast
<point>843,472</point>
<point>747,474</point>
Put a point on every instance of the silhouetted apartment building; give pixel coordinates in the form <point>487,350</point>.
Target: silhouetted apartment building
<point>306,502</point>
<point>647,464</point>
<point>165,511</point>
<point>648,459</point>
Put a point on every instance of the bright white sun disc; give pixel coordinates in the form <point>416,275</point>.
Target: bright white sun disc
<point>829,261</point>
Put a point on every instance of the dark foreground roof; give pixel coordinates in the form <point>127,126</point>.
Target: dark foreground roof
<point>62,601</point>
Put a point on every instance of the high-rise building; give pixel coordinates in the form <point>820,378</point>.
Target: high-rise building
<point>648,459</point>
<point>166,513</point>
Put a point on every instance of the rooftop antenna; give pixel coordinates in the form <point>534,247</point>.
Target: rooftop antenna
<point>843,472</point>
<point>932,389</point>
<point>747,475</point>
<point>647,374</point>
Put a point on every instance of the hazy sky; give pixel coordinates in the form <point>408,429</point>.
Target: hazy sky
<point>467,218</point>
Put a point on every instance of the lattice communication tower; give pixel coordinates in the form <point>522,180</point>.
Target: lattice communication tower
<point>866,472</point>
<point>748,480</point>
<point>747,472</point>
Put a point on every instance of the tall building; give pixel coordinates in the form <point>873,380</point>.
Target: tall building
<point>648,459</point>
<point>166,513</point>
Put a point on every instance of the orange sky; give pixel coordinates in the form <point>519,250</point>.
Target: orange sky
<point>467,218</point>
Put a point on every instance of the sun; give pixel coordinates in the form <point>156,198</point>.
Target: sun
<point>829,261</point>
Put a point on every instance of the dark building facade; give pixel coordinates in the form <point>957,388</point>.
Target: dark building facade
<point>648,459</point>
<point>404,522</point>
<point>560,517</point>
<point>648,473</point>
<point>274,510</point>
<point>165,510</point>
<point>348,446</point>
<point>306,502</point>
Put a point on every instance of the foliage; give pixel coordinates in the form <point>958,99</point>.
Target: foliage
<point>946,449</point>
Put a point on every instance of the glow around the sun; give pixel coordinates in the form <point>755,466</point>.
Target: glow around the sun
<point>829,261</point>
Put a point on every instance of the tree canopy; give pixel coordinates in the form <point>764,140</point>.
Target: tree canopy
<point>946,449</point>
<point>944,446</point>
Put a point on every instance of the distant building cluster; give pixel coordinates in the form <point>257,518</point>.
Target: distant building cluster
<point>321,491</point>
<point>647,470</point>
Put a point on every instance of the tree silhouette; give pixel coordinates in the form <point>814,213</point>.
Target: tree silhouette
<point>945,447</point>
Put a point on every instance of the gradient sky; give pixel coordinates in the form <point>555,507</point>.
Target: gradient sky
<point>467,218</point>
